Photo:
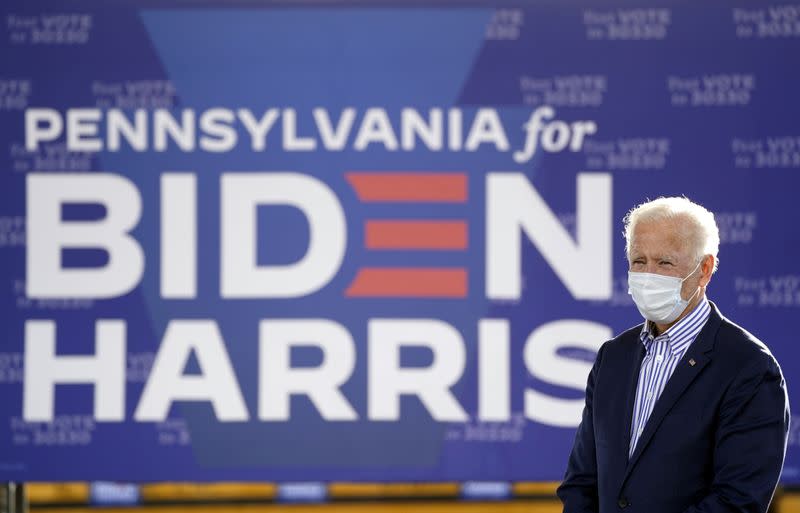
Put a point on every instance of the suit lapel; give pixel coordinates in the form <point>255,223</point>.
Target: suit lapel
<point>630,399</point>
<point>680,380</point>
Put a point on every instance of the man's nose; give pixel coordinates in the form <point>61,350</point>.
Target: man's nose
<point>652,268</point>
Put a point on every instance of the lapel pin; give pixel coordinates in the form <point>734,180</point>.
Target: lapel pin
<point>692,362</point>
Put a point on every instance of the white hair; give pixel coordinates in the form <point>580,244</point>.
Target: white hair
<point>703,234</point>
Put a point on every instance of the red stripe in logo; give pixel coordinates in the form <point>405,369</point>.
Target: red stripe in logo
<point>442,235</point>
<point>409,187</point>
<point>409,282</point>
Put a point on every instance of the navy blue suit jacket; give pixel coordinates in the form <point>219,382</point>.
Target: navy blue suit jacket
<point>715,441</point>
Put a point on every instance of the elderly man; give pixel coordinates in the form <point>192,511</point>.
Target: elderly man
<point>687,412</point>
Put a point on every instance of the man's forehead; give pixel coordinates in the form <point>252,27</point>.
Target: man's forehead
<point>667,237</point>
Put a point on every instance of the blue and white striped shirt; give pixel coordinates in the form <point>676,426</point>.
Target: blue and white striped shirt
<point>662,356</point>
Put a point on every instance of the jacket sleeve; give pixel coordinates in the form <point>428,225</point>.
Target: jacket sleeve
<point>579,491</point>
<point>750,442</point>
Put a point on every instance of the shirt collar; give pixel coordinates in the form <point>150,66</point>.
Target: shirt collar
<point>680,335</point>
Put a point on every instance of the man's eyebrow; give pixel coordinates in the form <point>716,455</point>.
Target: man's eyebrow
<point>635,254</point>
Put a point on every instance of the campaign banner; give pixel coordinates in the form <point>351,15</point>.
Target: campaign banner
<point>360,242</point>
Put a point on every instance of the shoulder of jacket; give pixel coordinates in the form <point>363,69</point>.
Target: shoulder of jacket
<point>743,348</point>
<point>620,344</point>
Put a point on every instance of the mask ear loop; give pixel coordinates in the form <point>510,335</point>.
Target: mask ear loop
<point>692,296</point>
<point>693,270</point>
<point>687,277</point>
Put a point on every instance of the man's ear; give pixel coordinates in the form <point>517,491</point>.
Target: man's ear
<point>706,269</point>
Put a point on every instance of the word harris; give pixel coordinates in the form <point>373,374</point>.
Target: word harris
<point>514,210</point>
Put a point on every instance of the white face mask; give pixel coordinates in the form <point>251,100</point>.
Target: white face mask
<point>658,297</point>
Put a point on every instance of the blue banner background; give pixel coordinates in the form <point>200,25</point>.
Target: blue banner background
<point>392,57</point>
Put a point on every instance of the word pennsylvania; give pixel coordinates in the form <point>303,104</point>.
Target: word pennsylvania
<point>223,130</point>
